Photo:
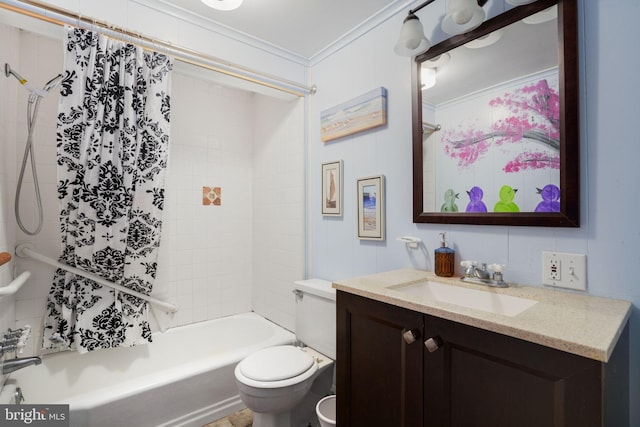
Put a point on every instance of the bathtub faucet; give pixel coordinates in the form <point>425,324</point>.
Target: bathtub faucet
<point>12,365</point>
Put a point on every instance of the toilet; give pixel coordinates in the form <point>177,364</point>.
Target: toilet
<point>283,384</point>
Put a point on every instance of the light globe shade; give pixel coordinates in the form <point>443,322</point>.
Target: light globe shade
<point>485,41</point>
<point>427,77</point>
<point>223,4</point>
<point>463,16</point>
<point>437,62</point>
<point>412,40</point>
<point>542,16</point>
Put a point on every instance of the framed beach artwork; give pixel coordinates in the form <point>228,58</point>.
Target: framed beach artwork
<point>362,113</point>
<point>371,208</point>
<point>332,188</point>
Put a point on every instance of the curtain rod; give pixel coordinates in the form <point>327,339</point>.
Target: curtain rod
<point>63,17</point>
<point>430,127</point>
<point>24,250</point>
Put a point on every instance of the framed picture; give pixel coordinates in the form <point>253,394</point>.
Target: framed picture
<point>371,208</point>
<point>332,188</point>
<point>362,113</point>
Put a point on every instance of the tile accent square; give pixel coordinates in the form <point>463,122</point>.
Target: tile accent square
<point>211,196</point>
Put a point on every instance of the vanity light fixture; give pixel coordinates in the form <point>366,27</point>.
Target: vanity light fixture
<point>463,16</point>
<point>485,41</point>
<point>223,4</point>
<point>542,16</point>
<point>438,61</point>
<point>412,40</point>
<point>428,77</point>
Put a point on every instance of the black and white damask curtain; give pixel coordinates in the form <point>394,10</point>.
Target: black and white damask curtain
<point>112,139</point>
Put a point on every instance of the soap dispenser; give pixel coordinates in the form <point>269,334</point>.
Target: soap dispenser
<point>444,259</point>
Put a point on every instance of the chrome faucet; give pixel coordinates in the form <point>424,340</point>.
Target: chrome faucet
<point>481,275</point>
<point>13,365</point>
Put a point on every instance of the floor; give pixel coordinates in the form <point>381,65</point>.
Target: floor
<point>242,418</point>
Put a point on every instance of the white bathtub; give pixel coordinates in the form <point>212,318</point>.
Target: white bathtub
<point>184,378</point>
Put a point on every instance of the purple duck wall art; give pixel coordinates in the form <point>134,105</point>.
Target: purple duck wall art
<point>550,199</point>
<point>475,200</point>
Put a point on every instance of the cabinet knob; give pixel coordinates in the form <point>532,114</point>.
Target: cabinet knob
<point>410,336</point>
<point>433,344</point>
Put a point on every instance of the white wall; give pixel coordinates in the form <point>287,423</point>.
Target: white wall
<point>278,207</point>
<point>610,232</point>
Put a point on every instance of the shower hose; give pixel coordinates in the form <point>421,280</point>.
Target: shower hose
<point>32,114</point>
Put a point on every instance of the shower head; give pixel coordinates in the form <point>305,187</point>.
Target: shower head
<point>35,92</point>
<point>51,84</point>
<point>8,72</point>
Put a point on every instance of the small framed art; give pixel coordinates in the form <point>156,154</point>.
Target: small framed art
<point>371,208</point>
<point>332,188</point>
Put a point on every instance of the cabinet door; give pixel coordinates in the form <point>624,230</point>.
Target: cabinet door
<point>477,378</point>
<point>378,374</point>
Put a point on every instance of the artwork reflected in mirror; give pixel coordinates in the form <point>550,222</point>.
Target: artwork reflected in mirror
<point>493,125</point>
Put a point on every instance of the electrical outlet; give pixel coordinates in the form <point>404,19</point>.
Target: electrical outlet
<point>564,270</point>
<point>553,269</point>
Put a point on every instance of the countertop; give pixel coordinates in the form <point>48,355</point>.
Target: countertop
<point>581,324</point>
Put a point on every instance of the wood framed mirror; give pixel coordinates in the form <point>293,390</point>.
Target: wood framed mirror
<point>496,139</point>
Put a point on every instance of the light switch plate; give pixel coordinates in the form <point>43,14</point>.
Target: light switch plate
<point>564,270</point>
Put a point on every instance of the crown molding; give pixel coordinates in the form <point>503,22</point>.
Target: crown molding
<point>375,20</point>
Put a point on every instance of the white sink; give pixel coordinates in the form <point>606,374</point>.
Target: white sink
<point>490,302</point>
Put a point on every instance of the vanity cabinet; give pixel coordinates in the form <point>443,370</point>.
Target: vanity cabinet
<point>465,376</point>
<point>378,374</point>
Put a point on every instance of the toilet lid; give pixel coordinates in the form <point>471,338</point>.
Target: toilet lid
<point>276,363</point>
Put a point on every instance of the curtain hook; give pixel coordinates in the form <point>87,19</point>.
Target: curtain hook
<point>79,21</point>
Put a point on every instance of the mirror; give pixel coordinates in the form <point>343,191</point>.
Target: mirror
<point>495,137</point>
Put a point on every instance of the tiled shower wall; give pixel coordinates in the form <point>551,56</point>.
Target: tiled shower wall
<point>206,262</point>
<point>8,54</point>
<point>278,214</point>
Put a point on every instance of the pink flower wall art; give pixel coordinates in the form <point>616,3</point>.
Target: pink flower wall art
<point>532,115</point>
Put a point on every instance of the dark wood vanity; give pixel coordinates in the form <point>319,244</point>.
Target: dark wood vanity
<point>470,376</point>
<point>408,358</point>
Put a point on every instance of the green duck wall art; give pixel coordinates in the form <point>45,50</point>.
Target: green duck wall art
<point>449,204</point>
<point>506,203</point>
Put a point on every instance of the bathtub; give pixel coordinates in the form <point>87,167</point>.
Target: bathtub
<point>184,378</point>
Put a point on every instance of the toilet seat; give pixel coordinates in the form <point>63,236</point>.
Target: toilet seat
<point>276,363</point>
<point>275,367</point>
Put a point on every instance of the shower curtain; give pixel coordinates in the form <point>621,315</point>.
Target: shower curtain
<point>112,143</point>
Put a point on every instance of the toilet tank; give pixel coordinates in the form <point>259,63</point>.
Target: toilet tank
<point>316,315</point>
